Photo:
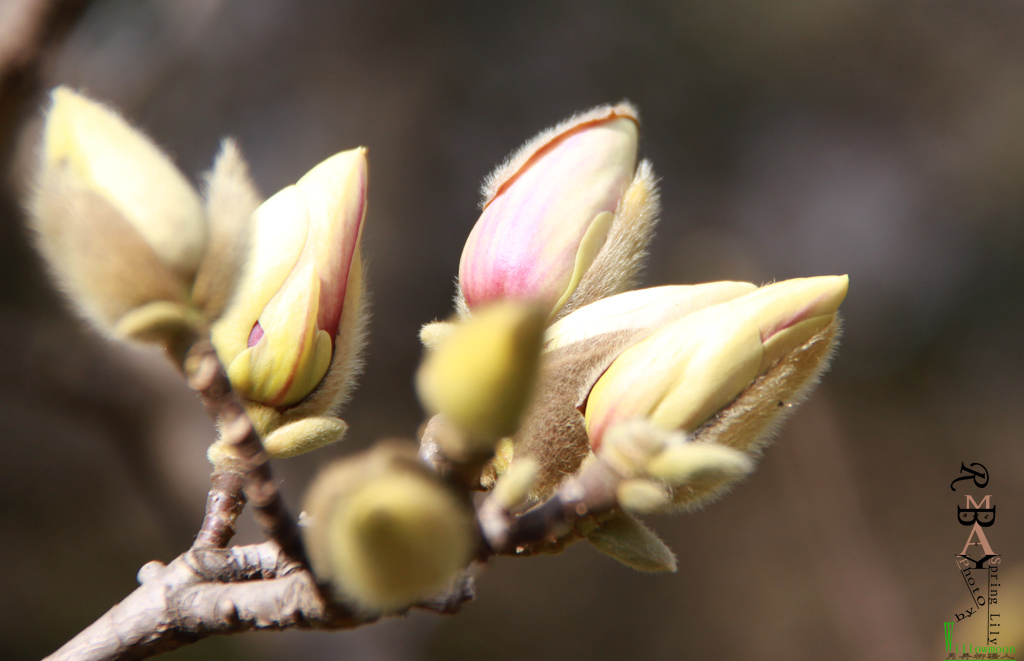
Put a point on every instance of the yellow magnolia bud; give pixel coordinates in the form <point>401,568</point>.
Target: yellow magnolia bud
<point>550,210</point>
<point>385,532</point>
<point>578,350</point>
<point>481,375</point>
<point>118,162</point>
<point>692,368</point>
<point>120,226</point>
<point>295,313</point>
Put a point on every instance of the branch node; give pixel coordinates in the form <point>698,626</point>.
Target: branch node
<point>150,571</point>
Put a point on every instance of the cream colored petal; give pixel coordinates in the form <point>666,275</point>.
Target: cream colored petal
<point>780,305</point>
<point>643,308</point>
<point>689,370</point>
<point>279,236</point>
<point>680,375</point>
<point>292,355</point>
<point>587,252</point>
<point>716,369</point>
<point>784,341</point>
<point>335,195</point>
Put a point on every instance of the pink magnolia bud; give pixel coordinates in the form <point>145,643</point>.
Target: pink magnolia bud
<point>550,210</point>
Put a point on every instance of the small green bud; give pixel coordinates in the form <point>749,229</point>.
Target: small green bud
<point>481,376</point>
<point>685,463</point>
<point>384,532</point>
<point>663,470</point>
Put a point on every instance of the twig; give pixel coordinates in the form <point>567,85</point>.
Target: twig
<point>206,592</point>
<point>206,376</point>
<point>223,505</point>
<point>211,590</point>
<point>582,502</point>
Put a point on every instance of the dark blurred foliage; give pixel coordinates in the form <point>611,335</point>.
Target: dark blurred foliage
<point>880,139</point>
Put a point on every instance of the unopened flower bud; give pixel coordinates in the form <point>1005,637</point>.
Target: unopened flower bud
<point>578,349</point>
<point>278,337</point>
<point>664,470</point>
<point>481,375</point>
<point>384,532</point>
<point>551,209</point>
<point>689,370</point>
<point>119,163</point>
<point>120,226</point>
<point>292,334</point>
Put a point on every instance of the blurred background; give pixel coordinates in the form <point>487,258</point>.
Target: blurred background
<point>876,138</point>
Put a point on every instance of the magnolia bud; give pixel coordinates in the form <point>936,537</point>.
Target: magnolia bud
<point>481,376</point>
<point>277,338</point>
<point>549,212</point>
<point>689,370</point>
<point>291,336</point>
<point>384,532</point>
<point>119,225</point>
<point>578,350</point>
